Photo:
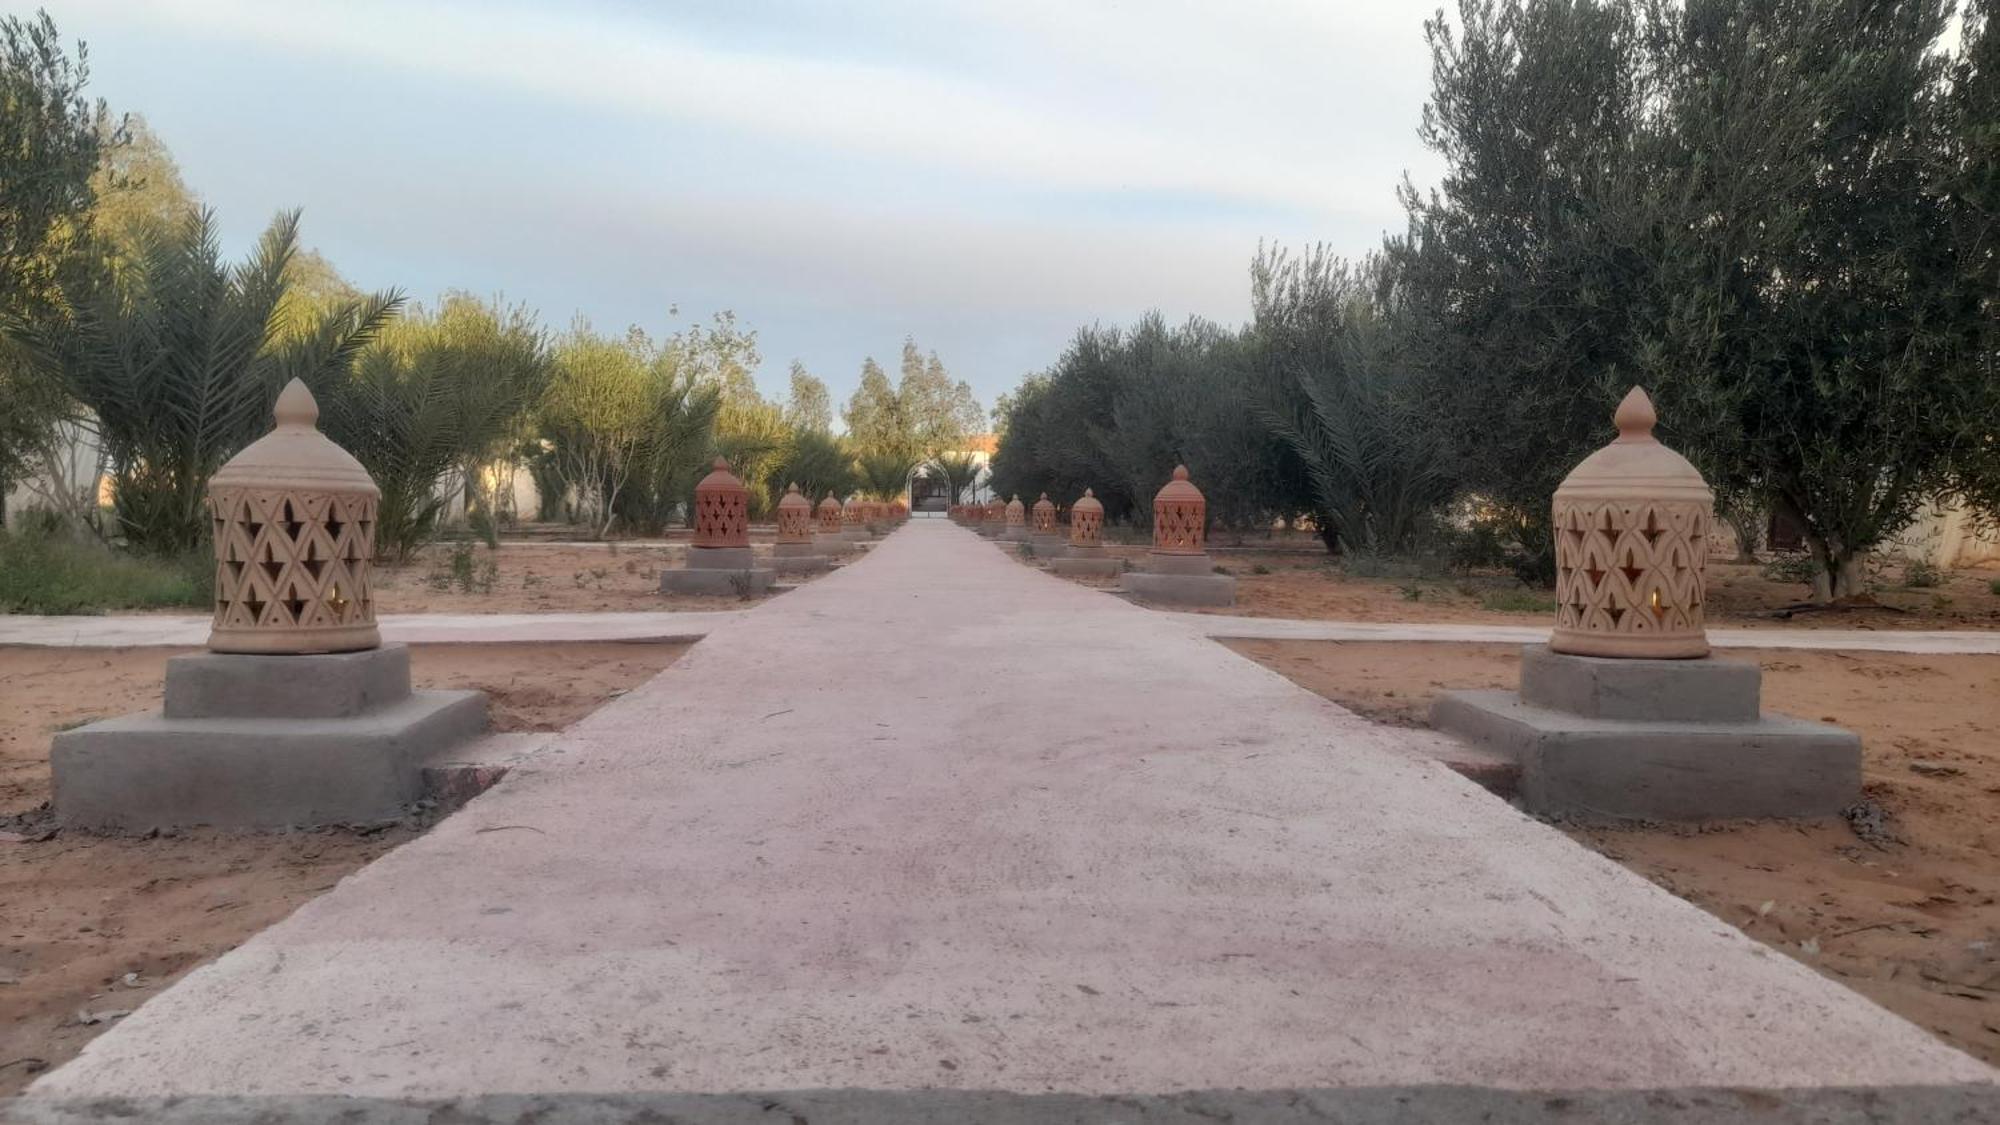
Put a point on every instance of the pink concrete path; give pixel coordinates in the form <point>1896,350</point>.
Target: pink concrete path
<point>940,820</point>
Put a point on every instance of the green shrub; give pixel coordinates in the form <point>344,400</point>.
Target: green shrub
<point>1920,574</point>
<point>1993,586</point>
<point>44,572</point>
<point>1795,567</point>
<point>1260,568</point>
<point>1518,601</point>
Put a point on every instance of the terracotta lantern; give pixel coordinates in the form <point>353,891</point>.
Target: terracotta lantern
<point>1180,517</point>
<point>795,517</point>
<point>1017,514</point>
<point>829,516</point>
<point>721,509</point>
<point>294,540</point>
<point>1045,516</point>
<point>1632,523</point>
<point>1086,521</point>
<point>853,511</point>
<point>996,510</point>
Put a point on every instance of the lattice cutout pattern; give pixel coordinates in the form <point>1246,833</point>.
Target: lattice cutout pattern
<point>721,518</point>
<point>1045,519</point>
<point>794,524</point>
<point>1086,528</point>
<point>829,519</point>
<point>288,560</point>
<point>1631,567</point>
<point>1180,527</point>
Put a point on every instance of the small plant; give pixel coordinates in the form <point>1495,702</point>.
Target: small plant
<point>741,583</point>
<point>465,570</point>
<point>479,521</point>
<point>1922,574</point>
<point>531,581</point>
<point>1940,602</point>
<point>1223,570</point>
<point>1412,593</point>
<point>1027,550</point>
<point>1993,587</point>
<point>1518,601</point>
<point>1792,567</point>
<point>1260,568</point>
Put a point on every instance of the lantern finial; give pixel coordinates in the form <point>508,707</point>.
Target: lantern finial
<point>1635,418</point>
<point>296,406</point>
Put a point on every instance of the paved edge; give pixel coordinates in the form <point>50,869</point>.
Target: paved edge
<point>1893,1105</point>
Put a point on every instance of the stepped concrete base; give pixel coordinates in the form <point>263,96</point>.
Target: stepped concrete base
<point>1182,589</point>
<point>1181,580</point>
<point>1655,740</point>
<point>800,564</point>
<point>743,583</point>
<point>1087,562</point>
<point>718,571</point>
<point>1017,533</point>
<point>221,752</point>
<point>1050,546</point>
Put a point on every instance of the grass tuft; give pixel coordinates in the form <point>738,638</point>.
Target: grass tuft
<point>50,572</point>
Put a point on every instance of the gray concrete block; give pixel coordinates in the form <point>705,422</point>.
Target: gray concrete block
<point>809,547</point>
<point>1705,690</point>
<point>1660,770</point>
<point>698,580</point>
<point>1182,589</point>
<point>720,558</point>
<point>322,686</point>
<point>1050,546</point>
<point>140,772</point>
<point>800,564</point>
<point>1018,533</point>
<point>1157,563</point>
<point>1098,565</point>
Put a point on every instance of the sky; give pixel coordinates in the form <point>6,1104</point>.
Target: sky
<point>986,178</point>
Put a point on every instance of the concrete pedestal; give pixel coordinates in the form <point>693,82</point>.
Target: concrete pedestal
<point>719,571</point>
<point>1015,533</point>
<point>1087,562</point>
<point>1052,546</point>
<point>1181,580</point>
<point>800,564</point>
<point>1655,740</point>
<point>263,742</point>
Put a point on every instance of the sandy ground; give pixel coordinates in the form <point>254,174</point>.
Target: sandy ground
<point>541,577</point>
<point>92,925</point>
<point>1297,583</point>
<point>1909,919</point>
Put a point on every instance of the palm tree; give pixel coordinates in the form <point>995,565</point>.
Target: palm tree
<point>885,476</point>
<point>178,361</point>
<point>960,472</point>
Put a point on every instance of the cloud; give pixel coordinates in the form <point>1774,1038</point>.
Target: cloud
<point>1021,124</point>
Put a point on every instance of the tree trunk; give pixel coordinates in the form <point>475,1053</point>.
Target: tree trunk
<point>1842,573</point>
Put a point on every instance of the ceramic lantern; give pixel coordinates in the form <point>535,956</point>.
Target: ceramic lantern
<point>1086,521</point>
<point>1180,517</point>
<point>795,517</point>
<point>294,523</point>
<point>1632,524</point>
<point>721,509</point>
<point>1017,513</point>
<point>1045,516</point>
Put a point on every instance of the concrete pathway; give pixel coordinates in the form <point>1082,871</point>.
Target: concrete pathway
<point>939,820</point>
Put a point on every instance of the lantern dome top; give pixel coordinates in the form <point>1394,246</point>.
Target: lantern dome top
<point>1045,502</point>
<point>1088,502</point>
<point>793,499</point>
<point>720,479</point>
<point>1635,465</point>
<point>829,504</point>
<point>1178,489</point>
<point>295,455</point>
